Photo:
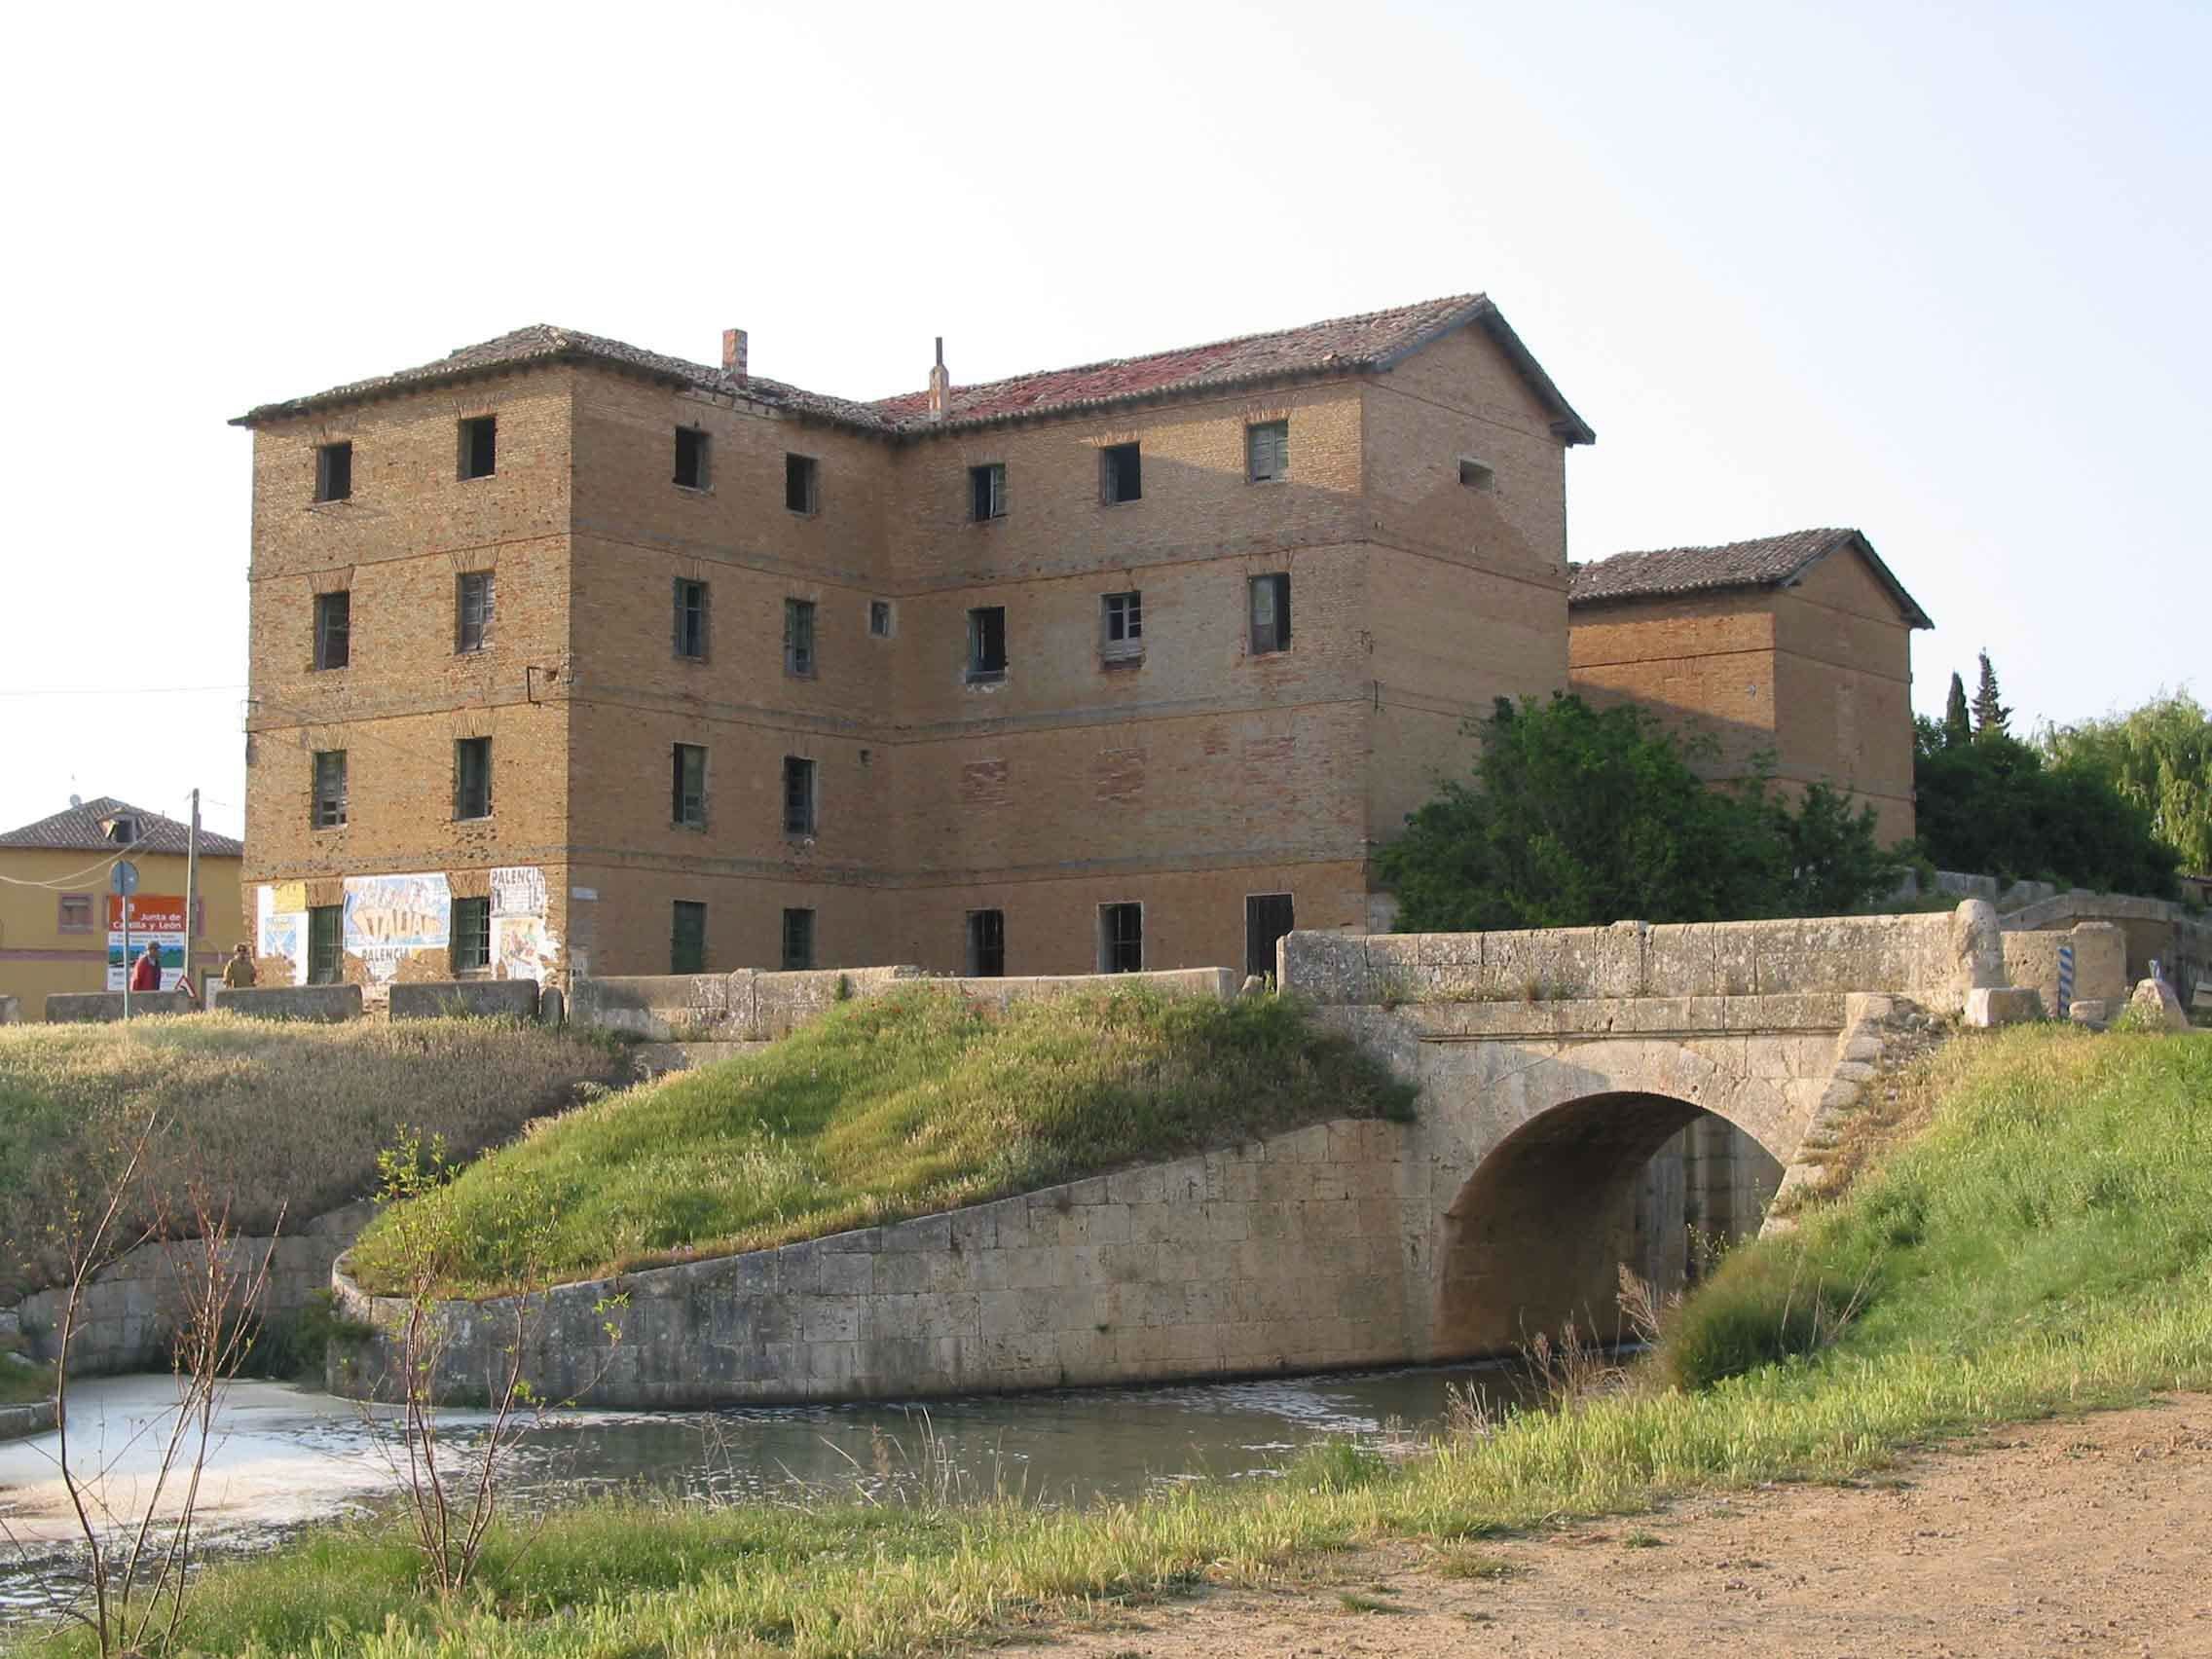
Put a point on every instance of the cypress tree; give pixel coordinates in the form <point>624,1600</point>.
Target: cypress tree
<point>1990,716</point>
<point>1957,727</point>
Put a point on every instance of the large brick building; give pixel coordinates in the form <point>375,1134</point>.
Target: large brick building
<point>1792,651</point>
<point>570,654</point>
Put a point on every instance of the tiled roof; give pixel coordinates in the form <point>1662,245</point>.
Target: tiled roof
<point>79,830</point>
<point>1341,345</point>
<point>1771,561</point>
<point>542,343</point>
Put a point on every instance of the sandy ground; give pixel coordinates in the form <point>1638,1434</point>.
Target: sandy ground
<point>2093,1535</point>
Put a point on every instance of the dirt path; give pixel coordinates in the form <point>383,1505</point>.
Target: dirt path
<point>2092,1537</point>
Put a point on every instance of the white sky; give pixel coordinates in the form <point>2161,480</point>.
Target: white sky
<point>1937,272</point>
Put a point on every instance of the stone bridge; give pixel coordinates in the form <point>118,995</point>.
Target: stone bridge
<point>1552,1067</point>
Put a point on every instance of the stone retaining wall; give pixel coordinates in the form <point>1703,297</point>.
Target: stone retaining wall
<point>435,998</point>
<point>1932,959</point>
<point>748,1007</point>
<point>129,1312</point>
<point>1283,1255</point>
<point>16,1421</point>
<point>2100,964</point>
<point>96,1007</point>
<point>321,1003</point>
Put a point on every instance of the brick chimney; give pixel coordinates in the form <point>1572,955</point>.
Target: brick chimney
<point>940,384</point>
<point>733,353</point>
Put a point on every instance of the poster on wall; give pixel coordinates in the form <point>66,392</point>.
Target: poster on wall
<point>154,916</point>
<point>281,929</point>
<point>391,917</point>
<point>523,949</point>
<point>523,946</point>
<point>518,890</point>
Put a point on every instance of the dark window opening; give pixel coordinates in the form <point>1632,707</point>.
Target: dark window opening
<point>329,809</point>
<point>473,778</point>
<point>798,796</point>
<point>1476,474</point>
<point>1270,615</point>
<point>879,619</point>
<point>122,830</point>
<point>690,458</point>
<point>1266,451</point>
<point>798,939</point>
<point>471,939</point>
<point>1268,916</point>
<point>480,446</point>
<point>799,637</point>
<point>1120,474</point>
<point>333,630</point>
<point>987,643</point>
<point>327,944</point>
<point>986,492</point>
<point>1122,617</point>
<point>472,612</point>
<point>1120,938</point>
<point>986,945</point>
<point>691,619</point>
<point>803,476</point>
<point>688,938</point>
<point>333,471</point>
<point>687,787</point>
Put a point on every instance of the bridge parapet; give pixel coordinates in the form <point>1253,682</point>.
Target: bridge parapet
<point>1932,959</point>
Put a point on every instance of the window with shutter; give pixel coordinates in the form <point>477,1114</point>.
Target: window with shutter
<point>333,630</point>
<point>1266,451</point>
<point>473,778</point>
<point>690,458</point>
<point>798,940</point>
<point>472,607</point>
<point>1123,621</point>
<point>986,490</point>
<point>691,619</point>
<point>799,637</point>
<point>687,937</point>
<point>329,808</point>
<point>1270,613</point>
<point>687,787</point>
<point>469,943</point>
<point>986,645</point>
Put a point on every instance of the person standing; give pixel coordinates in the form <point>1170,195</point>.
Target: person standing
<point>240,972</point>
<point>146,972</point>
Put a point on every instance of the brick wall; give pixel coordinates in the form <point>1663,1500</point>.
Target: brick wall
<point>1184,782</point>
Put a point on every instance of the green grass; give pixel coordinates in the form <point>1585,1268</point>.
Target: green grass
<point>259,1111</point>
<point>883,1109</point>
<point>2043,1247</point>
<point>23,1385</point>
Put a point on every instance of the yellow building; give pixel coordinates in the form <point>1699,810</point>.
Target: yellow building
<point>61,927</point>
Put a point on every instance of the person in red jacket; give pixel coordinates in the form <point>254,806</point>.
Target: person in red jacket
<point>146,972</point>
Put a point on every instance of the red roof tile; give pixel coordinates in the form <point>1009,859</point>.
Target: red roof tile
<point>1344,345</point>
<point>1771,561</point>
<point>82,830</point>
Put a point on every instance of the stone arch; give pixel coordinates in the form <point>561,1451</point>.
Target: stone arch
<point>1538,1230</point>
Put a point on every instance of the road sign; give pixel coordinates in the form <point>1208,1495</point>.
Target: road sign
<point>124,878</point>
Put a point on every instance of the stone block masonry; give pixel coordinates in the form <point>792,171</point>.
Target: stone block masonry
<point>438,998</point>
<point>130,1312</point>
<point>323,1004</point>
<point>99,1007</point>
<point>1281,1255</point>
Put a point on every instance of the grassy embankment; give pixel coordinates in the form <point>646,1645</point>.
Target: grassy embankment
<point>2045,1245</point>
<point>886,1108</point>
<point>270,1116</point>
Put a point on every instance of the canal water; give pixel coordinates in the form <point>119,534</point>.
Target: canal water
<point>287,1457</point>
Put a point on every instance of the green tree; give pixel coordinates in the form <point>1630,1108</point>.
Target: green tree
<point>2159,759</point>
<point>1995,807</point>
<point>1577,817</point>
<point>1957,727</point>
<point>1991,717</point>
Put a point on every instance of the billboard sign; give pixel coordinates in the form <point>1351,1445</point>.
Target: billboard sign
<point>157,918</point>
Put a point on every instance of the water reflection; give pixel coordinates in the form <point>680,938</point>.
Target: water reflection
<point>286,1458</point>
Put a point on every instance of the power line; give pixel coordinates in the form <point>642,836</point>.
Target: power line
<point>110,690</point>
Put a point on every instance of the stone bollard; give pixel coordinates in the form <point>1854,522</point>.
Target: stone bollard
<point>2155,998</point>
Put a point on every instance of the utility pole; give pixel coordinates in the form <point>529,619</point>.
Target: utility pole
<point>191,890</point>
